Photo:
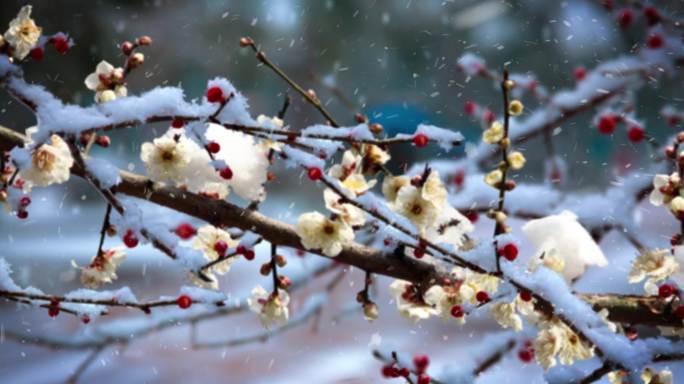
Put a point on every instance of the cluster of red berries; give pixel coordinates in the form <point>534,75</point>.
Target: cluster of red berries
<point>59,41</point>
<point>420,363</point>
<point>508,251</point>
<point>607,123</point>
<point>526,352</point>
<point>626,17</point>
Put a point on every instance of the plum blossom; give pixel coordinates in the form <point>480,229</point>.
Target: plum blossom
<point>516,160</point>
<point>350,174</point>
<point>318,232</point>
<point>272,309</point>
<point>23,33</point>
<point>664,188</point>
<point>348,213</point>
<point>107,82</point>
<point>411,204</point>
<point>206,241</point>
<point>167,158</point>
<point>556,341</point>
<point>494,177</point>
<point>410,303</point>
<point>102,268</point>
<point>50,164</point>
<point>391,186</point>
<point>551,259</point>
<point>270,123</point>
<point>506,316</point>
<point>494,133</point>
<point>662,377</point>
<point>375,155</point>
<point>654,266</point>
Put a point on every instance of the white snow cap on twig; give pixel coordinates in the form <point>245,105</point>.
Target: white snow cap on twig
<point>564,235</point>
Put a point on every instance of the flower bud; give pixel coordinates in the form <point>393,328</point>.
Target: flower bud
<point>376,128</point>
<point>136,59</point>
<point>370,311</point>
<point>281,261</point>
<point>246,42</point>
<point>144,40</point>
<point>265,269</point>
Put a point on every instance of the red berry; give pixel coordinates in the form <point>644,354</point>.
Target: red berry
<point>390,371</point>
<point>652,15</point>
<point>420,140</point>
<point>213,147</point>
<point>509,251</point>
<point>625,18</point>
<point>473,216</point>
<point>185,231</point>
<point>85,319</point>
<point>421,362</point>
<point>215,95</point>
<point>636,134</point>
<point>655,41</point>
<point>22,214</point>
<point>404,372</point>
<point>666,290</point>
<point>126,47</point>
<point>226,173</point>
<point>184,301</point>
<point>61,44</point>
<point>457,311</point>
<point>419,252</point>
<point>315,173</point>
<point>607,124</point>
<point>526,355</point>
<point>525,296</point>
<point>240,250</point>
<point>679,312</point>
<point>130,239</point>
<point>177,123</point>
<point>469,108</point>
<point>482,296</point>
<point>459,177</point>
<point>37,53</point>
<point>103,141</point>
<point>25,201</point>
<point>488,116</point>
<point>221,247</point>
<point>580,73</point>
<point>423,379</point>
<point>53,311</point>
<point>249,254</point>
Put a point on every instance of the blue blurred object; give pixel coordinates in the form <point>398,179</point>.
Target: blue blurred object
<point>398,118</point>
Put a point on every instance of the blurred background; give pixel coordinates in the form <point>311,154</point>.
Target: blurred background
<point>393,60</point>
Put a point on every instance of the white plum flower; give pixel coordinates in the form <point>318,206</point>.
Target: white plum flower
<point>449,227</point>
<point>654,266</point>
<point>550,258</point>
<point>494,177</point>
<point>375,155</point>
<point>562,233</point>
<point>348,213</point>
<point>23,33</point>
<point>320,233</point>
<point>506,315</point>
<point>391,186</point>
<point>50,164</point>
<point>662,377</point>
<point>547,345</point>
<point>351,162</point>
<point>433,190</point>
<point>213,242</point>
<point>556,340</point>
<point>102,268</point>
<point>411,204</point>
<point>410,303</point>
<point>167,158</point>
<point>444,298</point>
<point>661,184</point>
<point>107,82</point>
<point>494,133</point>
<point>271,309</point>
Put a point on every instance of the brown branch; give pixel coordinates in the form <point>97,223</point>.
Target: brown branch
<point>624,309</point>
